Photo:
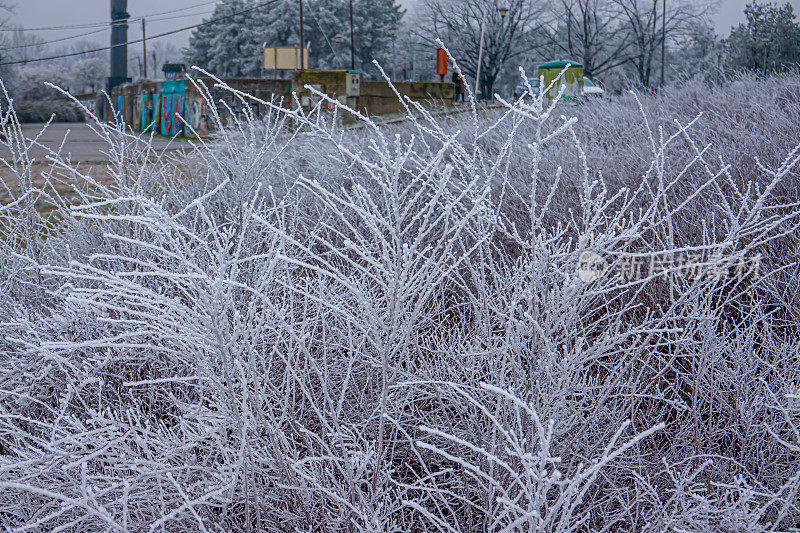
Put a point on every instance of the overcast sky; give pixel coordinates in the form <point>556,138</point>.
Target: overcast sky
<point>46,13</point>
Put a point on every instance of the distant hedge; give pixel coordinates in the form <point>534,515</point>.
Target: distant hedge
<point>42,110</point>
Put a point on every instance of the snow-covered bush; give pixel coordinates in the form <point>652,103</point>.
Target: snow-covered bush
<point>542,318</point>
<point>41,111</point>
<point>31,81</point>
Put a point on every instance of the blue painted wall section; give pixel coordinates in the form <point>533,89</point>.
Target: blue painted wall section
<point>173,95</point>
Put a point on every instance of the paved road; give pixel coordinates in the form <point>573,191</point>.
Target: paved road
<point>82,143</point>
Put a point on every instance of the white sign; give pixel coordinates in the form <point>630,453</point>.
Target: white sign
<point>284,58</point>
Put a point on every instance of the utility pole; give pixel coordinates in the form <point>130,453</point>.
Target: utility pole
<point>663,38</point>
<point>302,40</point>
<point>352,40</point>
<point>480,57</point>
<point>119,44</point>
<point>144,49</point>
<point>393,33</point>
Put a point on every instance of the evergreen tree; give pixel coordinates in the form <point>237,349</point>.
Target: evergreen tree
<point>770,33</point>
<point>219,47</point>
<point>372,20</point>
<point>232,46</point>
<point>700,51</point>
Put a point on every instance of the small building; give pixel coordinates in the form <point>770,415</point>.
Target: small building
<point>572,78</point>
<point>174,71</point>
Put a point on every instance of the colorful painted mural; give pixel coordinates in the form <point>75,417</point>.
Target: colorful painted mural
<point>166,122</point>
<point>88,101</point>
<point>172,100</point>
<point>173,108</point>
<point>147,114</point>
<point>196,116</point>
<point>156,112</point>
<point>162,107</point>
<point>148,105</point>
<point>137,114</point>
<point>171,113</point>
<point>177,113</point>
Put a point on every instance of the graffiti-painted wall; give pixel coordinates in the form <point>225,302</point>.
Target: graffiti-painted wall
<point>87,100</point>
<point>196,116</point>
<point>173,95</point>
<point>178,107</point>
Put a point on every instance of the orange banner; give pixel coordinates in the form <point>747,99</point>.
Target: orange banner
<point>441,61</point>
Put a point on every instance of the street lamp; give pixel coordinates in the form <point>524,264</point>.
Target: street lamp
<point>337,39</point>
<point>765,41</point>
<point>503,12</point>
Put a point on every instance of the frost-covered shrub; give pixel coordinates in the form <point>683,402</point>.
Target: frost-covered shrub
<point>60,110</point>
<point>428,326</point>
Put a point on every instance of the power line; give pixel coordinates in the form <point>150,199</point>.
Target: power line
<point>42,43</point>
<point>69,27</point>
<point>178,10</point>
<point>171,32</point>
<point>106,23</point>
<point>159,19</point>
<point>152,18</point>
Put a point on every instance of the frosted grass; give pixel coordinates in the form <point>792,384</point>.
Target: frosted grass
<point>304,327</point>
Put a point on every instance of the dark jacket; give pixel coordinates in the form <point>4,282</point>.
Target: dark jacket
<point>458,81</point>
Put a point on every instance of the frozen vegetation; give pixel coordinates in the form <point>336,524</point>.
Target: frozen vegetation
<point>519,319</point>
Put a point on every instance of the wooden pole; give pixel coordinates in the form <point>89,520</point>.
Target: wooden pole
<point>144,49</point>
<point>352,40</point>
<point>302,42</point>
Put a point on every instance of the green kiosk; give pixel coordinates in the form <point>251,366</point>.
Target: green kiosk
<point>572,78</point>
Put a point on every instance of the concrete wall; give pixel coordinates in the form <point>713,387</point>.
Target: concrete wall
<point>378,98</point>
<point>163,107</point>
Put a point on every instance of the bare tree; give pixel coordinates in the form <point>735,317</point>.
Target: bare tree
<point>5,8</point>
<point>651,22</point>
<point>22,45</point>
<point>589,31</point>
<point>88,49</point>
<point>89,73</point>
<point>459,24</point>
<point>163,52</point>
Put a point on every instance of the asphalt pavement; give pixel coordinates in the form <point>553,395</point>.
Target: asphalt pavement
<point>82,144</point>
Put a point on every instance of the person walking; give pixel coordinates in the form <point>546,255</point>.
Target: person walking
<point>459,83</point>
